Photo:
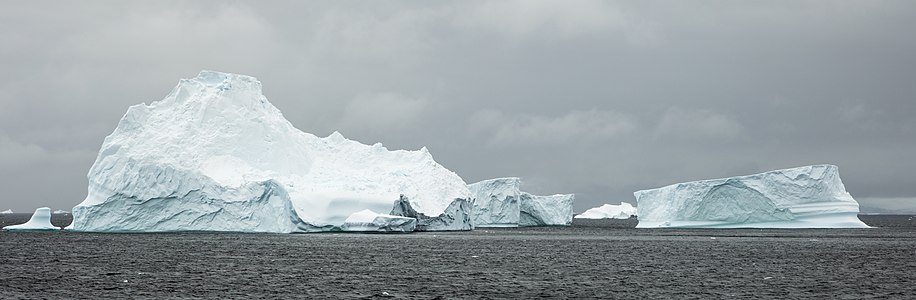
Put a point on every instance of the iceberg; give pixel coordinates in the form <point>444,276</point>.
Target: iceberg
<point>41,220</point>
<point>803,197</point>
<point>61,211</point>
<point>215,155</point>
<point>8,211</point>
<point>609,211</point>
<point>555,210</point>
<point>500,203</point>
<point>370,221</point>
<point>496,202</point>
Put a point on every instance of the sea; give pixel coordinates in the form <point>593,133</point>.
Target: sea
<point>607,259</point>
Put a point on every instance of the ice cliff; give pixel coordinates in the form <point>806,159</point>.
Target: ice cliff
<point>609,211</point>
<point>41,220</point>
<point>804,197</point>
<point>215,155</point>
<point>500,203</point>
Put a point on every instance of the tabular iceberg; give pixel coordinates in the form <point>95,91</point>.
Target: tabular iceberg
<point>804,197</point>
<point>500,203</point>
<point>496,202</point>
<point>215,155</point>
<point>370,221</point>
<point>609,211</point>
<point>41,220</point>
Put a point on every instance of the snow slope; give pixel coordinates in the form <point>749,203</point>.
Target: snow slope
<point>804,197</point>
<point>609,211</point>
<point>215,155</point>
<point>41,220</point>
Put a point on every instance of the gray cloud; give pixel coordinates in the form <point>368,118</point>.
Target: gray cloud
<point>594,97</point>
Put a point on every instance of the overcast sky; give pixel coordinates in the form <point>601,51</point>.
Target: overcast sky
<point>589,97</point>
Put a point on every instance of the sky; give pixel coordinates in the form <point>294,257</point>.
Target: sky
<point>597,98</point>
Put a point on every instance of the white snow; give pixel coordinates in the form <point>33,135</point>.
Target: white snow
<point>609,211</point>
<point>215,155</point>
<point>804,197</point>
<point>8,211</point>
<point>41,220</point>
<point>61,211</point>
<point>370,221</point>
<point>500,203</point>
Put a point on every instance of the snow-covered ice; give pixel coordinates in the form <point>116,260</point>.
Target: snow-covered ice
<point>609,211</point>
<point>8,211</point>
<point>803,197</point>
<point>500,203</point>
<point>215,155</point>
<point>61,211</point>
<point>41,220</point>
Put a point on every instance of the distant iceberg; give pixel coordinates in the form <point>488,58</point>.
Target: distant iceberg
<point>499,202</point>
<point>215,155</point>
<point>804,197</point>
<point>609,211</point>
<point>61,211</point>
<point>8,211</point>
<point>41,220</point>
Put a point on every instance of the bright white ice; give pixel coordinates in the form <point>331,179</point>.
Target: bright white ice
<point>215,155</point>
<point>41,220</point>
<point>804,197</point>
<point>609,211</point>
<point>8,211</point>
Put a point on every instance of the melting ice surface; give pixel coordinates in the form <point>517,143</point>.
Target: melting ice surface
<point>41,220</point>
<point>215,155</point>
<point>804,197</point>
<point>500,203</point>
<point>609,211</point>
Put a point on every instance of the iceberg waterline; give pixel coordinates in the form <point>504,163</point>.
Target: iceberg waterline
<point>40,220</point>
<point>609,211</point>
<point>500,203</point>
<point>803,197</point>
<point>215,155</point>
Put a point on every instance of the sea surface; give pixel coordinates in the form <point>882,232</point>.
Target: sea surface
<point>592,259</point>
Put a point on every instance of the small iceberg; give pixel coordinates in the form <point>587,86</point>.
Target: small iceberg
<point>609,211</point>
<point>61,212</point>
<point>41,220</point>
<point>6,212</point>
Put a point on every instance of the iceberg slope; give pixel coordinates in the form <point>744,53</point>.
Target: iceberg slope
<point>803,197</point>
<point>215,155</point>
<point>41,220</point>
<point>609,211</point>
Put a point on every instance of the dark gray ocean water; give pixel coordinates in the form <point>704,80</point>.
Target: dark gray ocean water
<point>593,259</point>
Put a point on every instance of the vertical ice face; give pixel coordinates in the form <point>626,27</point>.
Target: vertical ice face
<point>215,155</point>
<point>804,197</point>
<point>500,203</point>
<point>41,220</point>
<point>496,202</point>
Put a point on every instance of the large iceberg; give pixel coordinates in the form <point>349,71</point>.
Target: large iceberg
<point>609,211</point>
<point>804,197</point>
<point>215,155</point>
<point>41,220</point>
<point>500,203</point>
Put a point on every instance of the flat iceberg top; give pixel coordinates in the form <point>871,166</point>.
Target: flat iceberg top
<point>216,136</point>
<point>810,196</point>
<point>41,220</point>
<point>609,211</point>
